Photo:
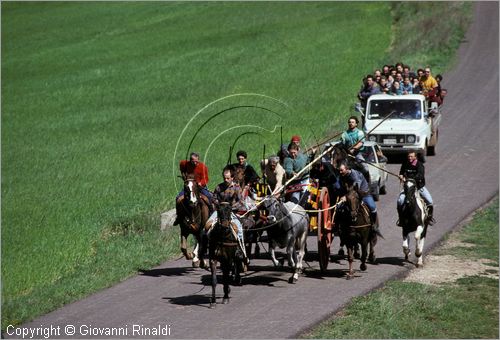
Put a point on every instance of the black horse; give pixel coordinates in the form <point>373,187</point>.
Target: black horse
<point>340,154</point>
<point>193,210</point>
<point>223,248</point>
<point>413,218</point>
<point>356,228</point>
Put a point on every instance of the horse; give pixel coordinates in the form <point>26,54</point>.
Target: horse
<point>287,227</point>
<point>194,212</point>
<point>223,249</point>
<point>340,154</point>
<point>250,219</point>
<point>353,217</point>
<point>413,218</point>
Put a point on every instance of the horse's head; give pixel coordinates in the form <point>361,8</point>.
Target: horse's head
<point>353,202</point>
<point>191,190</point>
<point>339,154</point>
<point>270,206</point>
<point>224,213</point>
<point>410,189</point>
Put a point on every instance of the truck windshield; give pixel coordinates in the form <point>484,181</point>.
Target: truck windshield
<point>403,109</point>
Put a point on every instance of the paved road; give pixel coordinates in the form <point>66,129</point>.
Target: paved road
<point>462,177</point>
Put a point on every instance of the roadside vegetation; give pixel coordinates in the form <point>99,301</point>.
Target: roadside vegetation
<point>95,97</point>
<point>466,308</point>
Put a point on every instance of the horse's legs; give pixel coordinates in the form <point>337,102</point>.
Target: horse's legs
<point>406,245</point>
<point>373,241</point>
<point>184,251</point>
<point>196,260</point>
<point>364,254</point>
<point>291,253</point>
<point>226,270</point>
<point>213,269</point>
<point>350,258</point>
<point>273,254</point>
<point>419,245</point>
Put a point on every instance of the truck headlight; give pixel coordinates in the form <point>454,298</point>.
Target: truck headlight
<point>372,138</point>
<point>411,139</point>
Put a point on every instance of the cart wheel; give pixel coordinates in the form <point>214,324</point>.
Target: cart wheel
<point>324,229</point>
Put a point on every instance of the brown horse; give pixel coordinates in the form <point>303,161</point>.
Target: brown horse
<point>356,228</point>
<point>223,249</point>
<point>194,212</point>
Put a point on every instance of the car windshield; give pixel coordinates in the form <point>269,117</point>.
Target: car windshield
<point>402,109</point>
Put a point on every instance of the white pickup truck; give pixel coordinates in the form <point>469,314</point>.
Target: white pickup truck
<point>402,123</point>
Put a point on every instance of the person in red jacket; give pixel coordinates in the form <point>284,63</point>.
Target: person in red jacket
<point>199,171</point>
<point>195,168</point>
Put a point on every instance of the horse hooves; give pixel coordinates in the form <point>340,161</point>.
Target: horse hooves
<point>292,280</point>
<point>196,264</point>
<point>225,301</point>
<point>189,256</point>
<point>372,259</point>
<point>349,276</point>
<point>213,304</point>
<point>341,252</point>
<point>362,267</point>
<point>237,280</point>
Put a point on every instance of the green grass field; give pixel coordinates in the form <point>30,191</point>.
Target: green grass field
<point>97,99</point>
<point>465,309</point>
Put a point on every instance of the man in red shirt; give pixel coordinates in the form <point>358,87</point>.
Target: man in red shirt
<point>199,171</point>
<point>195,168</point>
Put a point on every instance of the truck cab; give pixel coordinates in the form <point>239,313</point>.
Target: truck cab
<point>399,123</point>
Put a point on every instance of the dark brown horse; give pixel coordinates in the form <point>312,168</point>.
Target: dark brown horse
<point>194,212</point>
<point>356,228</point>
<point>223,248</point>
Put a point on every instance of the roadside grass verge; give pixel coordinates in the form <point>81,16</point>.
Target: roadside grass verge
<point>465,309</point>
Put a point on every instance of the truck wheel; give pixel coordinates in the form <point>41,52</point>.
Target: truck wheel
<point>376,192</point>
<point>431,150</point>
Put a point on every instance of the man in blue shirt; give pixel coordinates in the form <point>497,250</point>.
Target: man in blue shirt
<point>350,177</point>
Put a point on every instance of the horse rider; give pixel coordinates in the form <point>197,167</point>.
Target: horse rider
<point>293,165</point>
<point>250,175</point>
<point>350,177</point>
<point>353,140</point>
<point>199,171</point>
<point>273,173</point>
<point>228,191</point>
<point>414,169</point>
<point>283,152</point>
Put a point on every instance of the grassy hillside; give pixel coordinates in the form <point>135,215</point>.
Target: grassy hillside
<point>96,97</point>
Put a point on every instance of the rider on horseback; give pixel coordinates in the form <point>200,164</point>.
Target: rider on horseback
<point>229,192</point>
<point>198,170</point>
<point>350,177</point>
<point>413,168</point>
<point>353,140</point>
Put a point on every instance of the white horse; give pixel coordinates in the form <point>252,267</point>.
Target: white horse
<point>288,226</point>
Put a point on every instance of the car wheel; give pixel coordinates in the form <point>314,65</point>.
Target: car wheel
<point>375,193</point>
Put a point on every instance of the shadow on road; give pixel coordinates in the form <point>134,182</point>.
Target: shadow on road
<point>178,271</point>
